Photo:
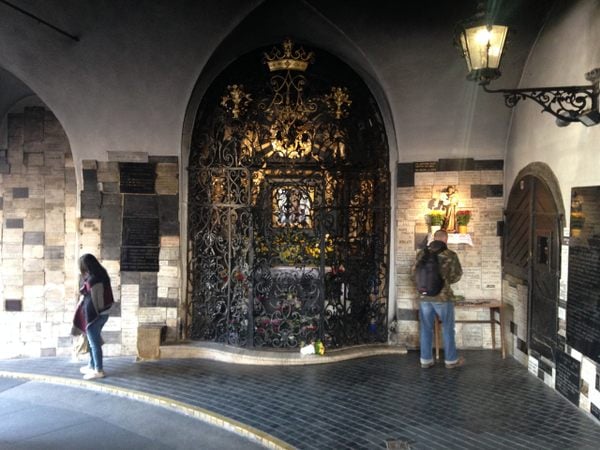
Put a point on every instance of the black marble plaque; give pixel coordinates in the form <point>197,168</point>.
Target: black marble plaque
<point>137,178</point>
<point>486,190</point>
<point>111,220</point>
<point>595,411</point>
<point>456,164</point>
<point>13,305</point>
<point>168,214</point>
<point>139,259</point>
<point>567,376</point>
<point>140,206</point>
<point>140,232</point>
<point>14,223</point>
<point>90,204</point>
<point>20,192</point>
<point>90,180</point>
<point>406,175</point>
<point>522,346</point>
<point>583,293</point>
<point>489,164</point>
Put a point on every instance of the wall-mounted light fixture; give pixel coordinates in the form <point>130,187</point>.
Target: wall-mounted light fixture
<point>481,44</point>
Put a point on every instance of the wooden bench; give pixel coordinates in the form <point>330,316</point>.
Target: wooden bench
<point>494,306</point>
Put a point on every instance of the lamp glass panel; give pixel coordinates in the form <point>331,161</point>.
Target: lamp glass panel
<point>483,46</point>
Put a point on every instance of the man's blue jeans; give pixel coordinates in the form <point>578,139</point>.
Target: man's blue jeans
<point>427,312</point>
<point>95,341</point>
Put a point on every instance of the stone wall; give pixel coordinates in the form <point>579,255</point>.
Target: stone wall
<point>38,196</point>
<point>479,185</point>
<point>129,217</point>
<point>43,234</point>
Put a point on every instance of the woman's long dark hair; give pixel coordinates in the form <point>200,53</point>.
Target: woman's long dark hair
<point>90,265</point>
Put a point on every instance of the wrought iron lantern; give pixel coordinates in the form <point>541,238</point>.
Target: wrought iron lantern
<point>481,43</point>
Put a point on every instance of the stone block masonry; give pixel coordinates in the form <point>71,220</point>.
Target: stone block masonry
<point>36,244</point>
<point>47,222</point>
<point>129,216</point>
<point>480,191</point>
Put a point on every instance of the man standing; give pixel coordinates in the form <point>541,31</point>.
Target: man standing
<point>433,300</point>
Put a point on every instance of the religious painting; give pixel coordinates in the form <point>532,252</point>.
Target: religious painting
<point>292,206</point>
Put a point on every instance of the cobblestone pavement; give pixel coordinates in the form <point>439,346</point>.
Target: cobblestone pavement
<point>489,403</point>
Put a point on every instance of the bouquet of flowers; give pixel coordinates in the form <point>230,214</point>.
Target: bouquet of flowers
<point>436,217</point>
<point>463,217</point>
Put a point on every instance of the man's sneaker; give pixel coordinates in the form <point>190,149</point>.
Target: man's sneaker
<point>85,370</point>
<point>93,375</point>
<point>460,362</point>
<point>428,365</point>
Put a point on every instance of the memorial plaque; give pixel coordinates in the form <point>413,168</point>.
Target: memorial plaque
<point>13,305</point>
<point>406,175</point>
<point>140,206</point>
<point>567,376</point>
<point>583,292</point>
<point>595,411</point>
<point>90,180</point>
<point>456,164</point>
<point>139,259</point>
<point>426,166</point>
<point>168,207</point>
<point>20,192</point>
<point>489,164</point>
<point>140,232</point>
<point>137,178</point>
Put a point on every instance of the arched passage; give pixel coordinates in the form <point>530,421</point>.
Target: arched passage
<point>288,205</point>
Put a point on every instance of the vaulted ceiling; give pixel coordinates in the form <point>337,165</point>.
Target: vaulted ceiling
<point>127,82</point>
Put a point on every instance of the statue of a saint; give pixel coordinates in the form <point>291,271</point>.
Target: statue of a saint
<point>450,201</point>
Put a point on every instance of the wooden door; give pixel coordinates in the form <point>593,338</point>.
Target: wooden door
<point>531,253</point>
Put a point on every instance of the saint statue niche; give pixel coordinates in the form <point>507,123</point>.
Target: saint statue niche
<point>292,207</point>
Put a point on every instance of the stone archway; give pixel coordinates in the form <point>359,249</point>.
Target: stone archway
<point>288,205</point>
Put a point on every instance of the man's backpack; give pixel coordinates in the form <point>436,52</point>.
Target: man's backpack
<point>428,279</point>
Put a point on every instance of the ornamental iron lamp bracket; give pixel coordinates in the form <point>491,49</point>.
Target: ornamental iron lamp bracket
<point>481,44</point>
<point>567,103</point>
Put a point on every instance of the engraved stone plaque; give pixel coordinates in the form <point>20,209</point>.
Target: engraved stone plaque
<point>567,376</point>
<point>139,259</point>
<point>137,178</point>
<point>168,208</point>
<point>583,292</point>
<point>140,232</point>
<point>140,206</point>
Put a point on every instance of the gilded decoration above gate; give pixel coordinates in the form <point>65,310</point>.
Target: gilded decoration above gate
<point>292,132</point>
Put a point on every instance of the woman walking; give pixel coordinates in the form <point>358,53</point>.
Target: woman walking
<point>92,312</point>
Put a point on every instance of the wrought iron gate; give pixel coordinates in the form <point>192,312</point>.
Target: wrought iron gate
<point>288,208</point>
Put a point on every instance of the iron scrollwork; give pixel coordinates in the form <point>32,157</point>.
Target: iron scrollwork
<point>288,213</point>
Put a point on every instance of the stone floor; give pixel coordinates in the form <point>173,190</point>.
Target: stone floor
<point>365,403</point>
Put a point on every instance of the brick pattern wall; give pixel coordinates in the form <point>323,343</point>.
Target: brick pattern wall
<point>38,197</point>
<point>479,185</point>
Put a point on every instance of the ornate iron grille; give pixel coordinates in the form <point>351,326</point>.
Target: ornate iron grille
<point>288,209</point>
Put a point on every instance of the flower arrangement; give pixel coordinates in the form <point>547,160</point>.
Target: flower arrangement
<point>293,246</point>
<point>436,217</point>
<point>463,217</point>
